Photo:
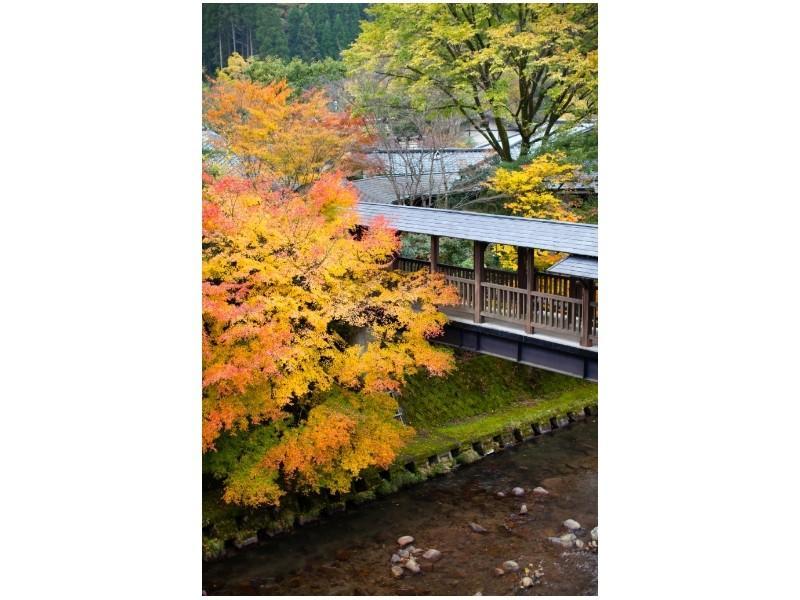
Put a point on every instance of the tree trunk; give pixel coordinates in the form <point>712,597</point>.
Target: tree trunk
<point>219,36</point>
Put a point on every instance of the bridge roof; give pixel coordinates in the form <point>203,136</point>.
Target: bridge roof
<point>577,266</point>
<point>558,236</point>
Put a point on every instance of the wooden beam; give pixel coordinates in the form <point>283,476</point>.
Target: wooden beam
<point>479,249</point>
<point>434,253</point>
<point>529,289</point>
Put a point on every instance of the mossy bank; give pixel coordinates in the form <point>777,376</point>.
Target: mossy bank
<point>484,405</point>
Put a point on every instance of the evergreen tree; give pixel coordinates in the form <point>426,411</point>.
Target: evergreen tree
<point>294,19</point>
<point>307,47</point>
<point>340,38</point>
<point>272,39</point>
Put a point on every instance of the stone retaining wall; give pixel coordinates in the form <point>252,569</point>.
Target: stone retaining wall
<point>261,524</point>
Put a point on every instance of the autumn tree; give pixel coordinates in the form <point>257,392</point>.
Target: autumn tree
<point>306,331</point>
<point>502,67</point>
<point>293,141</point>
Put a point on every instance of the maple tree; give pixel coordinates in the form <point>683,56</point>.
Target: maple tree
<point>293,141</point>
<point>306,331</point>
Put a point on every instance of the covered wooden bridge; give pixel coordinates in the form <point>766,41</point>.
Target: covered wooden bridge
<point>548,319</point>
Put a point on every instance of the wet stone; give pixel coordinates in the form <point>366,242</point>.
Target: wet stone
<point>594,534</point>
<point>477,528</point>
<point>404,540</point>
<point>397,571</point>
<point>499,572</point>
<point>540,490</point>
<point>518,491</point>
<point>571,524</point>
<point>523,510</point>
<point>432,554</point>
<point>412,565</point>
<point>396,558</point>
<point>511,565</point>
<point>526,582</point>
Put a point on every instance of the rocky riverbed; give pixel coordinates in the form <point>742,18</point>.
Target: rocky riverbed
<point>521,522</point>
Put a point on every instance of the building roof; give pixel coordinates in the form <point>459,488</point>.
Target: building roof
<point>557,236</point>
<point>576,266</point>
<point>381,190</point>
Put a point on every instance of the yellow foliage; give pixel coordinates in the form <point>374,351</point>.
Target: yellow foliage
<point>530,188</point>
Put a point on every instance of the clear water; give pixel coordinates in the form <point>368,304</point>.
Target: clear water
<point>350,553</point>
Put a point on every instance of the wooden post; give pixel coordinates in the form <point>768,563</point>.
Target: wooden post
<point>522,267</point>
<point>586,298</point>
<point>434,253</point>
<point>477,263</point>
<point>396,255</point>
<point>529,290</point>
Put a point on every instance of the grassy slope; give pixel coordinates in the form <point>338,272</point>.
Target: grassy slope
<point>482,396</point>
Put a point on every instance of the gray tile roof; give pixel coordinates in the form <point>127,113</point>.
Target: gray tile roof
<point>558,236</point>
<point>381,190</point>
<point>576,266</point>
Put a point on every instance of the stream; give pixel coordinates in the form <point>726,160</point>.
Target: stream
<point>350,553</point>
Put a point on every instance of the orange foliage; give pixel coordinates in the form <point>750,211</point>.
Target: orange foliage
<point>296,307</point>
<point>292,142</point>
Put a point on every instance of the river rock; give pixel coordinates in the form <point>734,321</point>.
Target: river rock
<point>511,565</point>
<point>594,534</point>
<point>571,524</point>
<point>405,540</point>
<point>412,565</point>
<point>397,571</point>
<point>246,542</point>
<point>526,582</point>
<point>404,553</point>
<point>432,554</point>
<point>396,558</point>
<point>523,510</point>
<point>579,544</point>
<point>540,490</point>
<point>518,491</point>
<point>565,540</point>
<point>501,494</point>
<point>499,572</point>
<point>477,528</point>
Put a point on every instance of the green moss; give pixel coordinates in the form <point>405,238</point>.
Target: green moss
<point>212,548</point>
<point>483,396</point>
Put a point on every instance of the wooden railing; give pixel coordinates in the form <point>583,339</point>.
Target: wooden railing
<point>555,303</point>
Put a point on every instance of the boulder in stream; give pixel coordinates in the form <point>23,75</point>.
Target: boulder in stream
<point>511,565</point>
<point>405,540</point>
<point>568,539</point>
<point>412,565</point>
<point>432,554</point>
<point>572,524</point>
<point>518,491</point>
